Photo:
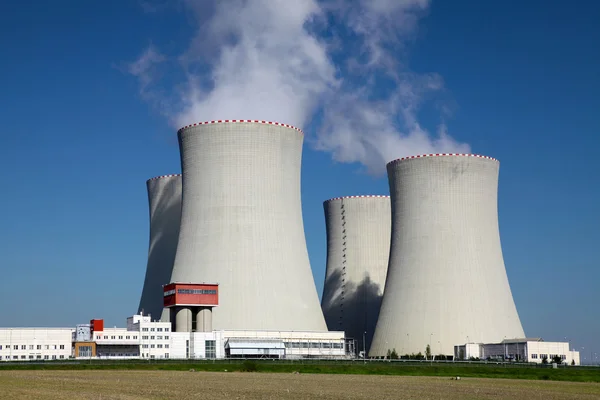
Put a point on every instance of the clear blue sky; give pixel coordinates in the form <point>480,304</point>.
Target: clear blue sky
<point>77,144</point>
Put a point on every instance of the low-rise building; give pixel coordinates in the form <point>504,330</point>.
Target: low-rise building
<point>30,344</point>
<point>529,350</point>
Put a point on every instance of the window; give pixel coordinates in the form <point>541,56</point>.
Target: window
<point>151,346</point>
<point>135,337</point>
<point>39,346</point>
<point>151,329</point>
<point>158,329</point>
<point>62,346</point>
<point>120,337</point>
<point>211,348</point>
<point>30,347</point>
<point>144,329</point>
<point>113,337</point>
<point>563,357</point>
<point>166,346</point>
<point>166,355</point>
<point>47,347</point>
<point>0,347</point>
<point>54,357</point>
<point>46,357</point>
<point>23,347</point>
<point>15,357</point>
<point>166,338</point>
<point>54,347</point>
<point>127,337</point>
<point>31,357</point>
<point>145,346</point>
<point>166,329</point>
<point>152,337</point>
<point>16,347</point>
<point>159,337</point>
<point>39,357</point>
<point>22,357</point>
<point>159,346</point>
<point>144,337</point>
<point>534,356</point>
<point>0,357</point>
<point>105,337</point>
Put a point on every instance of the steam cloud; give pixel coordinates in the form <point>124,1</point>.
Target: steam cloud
<point>334,64</point>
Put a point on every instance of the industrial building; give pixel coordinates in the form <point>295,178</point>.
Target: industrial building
<point>31,344</point>
<point>529,350</point>
<point>144,338</point>
<point>446,278</point>
<point>164,201</point>
<point>242,228</point>
<point>358,247</point>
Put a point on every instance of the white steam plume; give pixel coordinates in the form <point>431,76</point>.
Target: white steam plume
<point>337,64</point>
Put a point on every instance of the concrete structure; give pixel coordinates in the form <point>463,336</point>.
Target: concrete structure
<point>164,198</point>
<point>31,344</point>
<point>446,281</point>
<point>521,350</point>
<point>358,248</point>
<point>191,306</point>
<point>242,227</point>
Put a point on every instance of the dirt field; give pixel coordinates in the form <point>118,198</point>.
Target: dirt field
<point>229,385</point>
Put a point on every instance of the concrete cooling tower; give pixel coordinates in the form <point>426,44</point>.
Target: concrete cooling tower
<point>358,248</point>
<point>164,198</point>
<point>446,282</point>
<point>242,225</point>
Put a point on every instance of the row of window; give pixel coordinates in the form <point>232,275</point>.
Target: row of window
<point>157,329</point>
<point>314,345</point>
<point>38,357</point>
<point>155,337</point>
<point>99,337</point>
<point>34,347</point>
<point>196,291</point>
<point>147,355</point>
<point>550,356</point>
<point>152,346</point>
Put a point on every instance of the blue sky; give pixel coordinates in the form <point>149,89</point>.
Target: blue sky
<point>79,139</point>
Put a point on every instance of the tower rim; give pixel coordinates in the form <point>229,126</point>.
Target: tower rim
<point>254,121</point>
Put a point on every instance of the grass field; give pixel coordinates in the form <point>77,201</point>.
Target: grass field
<point>131,385</point>
<point>573,374</point>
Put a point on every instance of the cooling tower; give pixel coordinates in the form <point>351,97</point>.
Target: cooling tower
<point>164,198</point>
<point>242,224</point>
<point>446,281</point>
<point>358,248</point>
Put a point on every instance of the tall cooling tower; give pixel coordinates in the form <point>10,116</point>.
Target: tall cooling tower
<point>358,248</point>
<point>164,198</point>
<point>446,282</point>
<point>242,225</point>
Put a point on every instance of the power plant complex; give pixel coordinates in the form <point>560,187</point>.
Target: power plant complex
<point>228,272</point>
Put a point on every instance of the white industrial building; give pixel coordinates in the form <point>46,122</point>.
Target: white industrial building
<point>164,201</point>
<point>529,350</point>
<point>31,344</point>
<point>446,278</point>
<point>144,338</point>
<point>242,227</point>
<point>358,248</point>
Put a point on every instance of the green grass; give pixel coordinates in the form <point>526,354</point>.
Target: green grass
<point>479,370</point>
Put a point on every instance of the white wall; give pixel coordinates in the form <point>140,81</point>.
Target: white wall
<point>23,344</point>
